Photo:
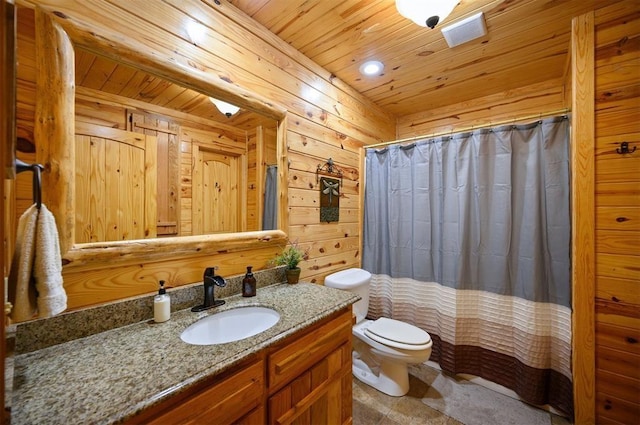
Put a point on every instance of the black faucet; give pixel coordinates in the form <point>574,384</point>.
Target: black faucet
<point>210,280</point>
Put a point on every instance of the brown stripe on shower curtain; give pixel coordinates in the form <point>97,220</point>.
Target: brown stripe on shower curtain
<point>545,386</point>
<point>520,344</point>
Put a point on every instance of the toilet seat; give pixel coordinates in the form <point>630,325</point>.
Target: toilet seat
<point>397,334</point>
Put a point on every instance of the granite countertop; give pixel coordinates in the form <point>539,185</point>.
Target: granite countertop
<point>112,375</point>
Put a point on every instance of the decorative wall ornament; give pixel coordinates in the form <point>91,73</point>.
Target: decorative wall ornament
<point>330,169</point>
<point>329,199</point>
<point>329,191</point>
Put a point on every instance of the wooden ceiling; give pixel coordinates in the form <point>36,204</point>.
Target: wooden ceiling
<point>527,43</point>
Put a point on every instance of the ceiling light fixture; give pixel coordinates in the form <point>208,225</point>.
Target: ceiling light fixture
<point>426,13</point>
<point>224,107</point>
<point>371,68</point>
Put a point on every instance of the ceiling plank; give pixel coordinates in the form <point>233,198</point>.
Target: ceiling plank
<point>525,41</point>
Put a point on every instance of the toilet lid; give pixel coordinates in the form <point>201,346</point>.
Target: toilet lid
<point>398,334</point>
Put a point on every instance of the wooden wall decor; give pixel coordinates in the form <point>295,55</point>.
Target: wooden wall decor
<point>329,200</point>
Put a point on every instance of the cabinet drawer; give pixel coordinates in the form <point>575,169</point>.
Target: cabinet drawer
<point>223,402</point>
<point>295,358</point>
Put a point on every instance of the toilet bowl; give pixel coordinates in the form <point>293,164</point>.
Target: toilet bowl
<point>382,348</point>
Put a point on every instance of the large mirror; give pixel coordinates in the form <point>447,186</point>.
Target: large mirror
<point>155,159</point>
<point>93,79</point>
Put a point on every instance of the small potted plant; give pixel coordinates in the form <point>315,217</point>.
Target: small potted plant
<point>290,256</point>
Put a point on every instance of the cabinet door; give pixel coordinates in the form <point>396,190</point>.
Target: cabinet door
<point>292,360</point>
<point>321,395</point>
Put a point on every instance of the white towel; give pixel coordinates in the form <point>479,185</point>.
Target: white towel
<point>36,268</point>
<point>47,267</point>
<point>22,292</point>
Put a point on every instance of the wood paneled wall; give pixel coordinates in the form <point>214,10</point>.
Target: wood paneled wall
<point>617,213</point>
<point>481,112</point>
<point>7,135</point>
<point>325,119</point>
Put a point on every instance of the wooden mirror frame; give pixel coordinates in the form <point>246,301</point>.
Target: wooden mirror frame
<point>56,34</point>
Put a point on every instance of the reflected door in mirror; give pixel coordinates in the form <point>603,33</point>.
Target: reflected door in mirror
<point>115,184</point>
<point>216,196</point>
<point>166,132</point>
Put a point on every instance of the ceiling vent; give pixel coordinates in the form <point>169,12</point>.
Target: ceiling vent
<point>465,30</point>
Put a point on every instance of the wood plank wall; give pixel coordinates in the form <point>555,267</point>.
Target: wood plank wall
<point>7,135</point>
<point>617,213</point>
<point>525,101</point>
<point>325,119</point>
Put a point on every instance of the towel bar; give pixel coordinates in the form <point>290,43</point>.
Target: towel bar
<point>36,185</point>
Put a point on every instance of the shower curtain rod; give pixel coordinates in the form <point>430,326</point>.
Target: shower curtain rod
<point>462,130</point>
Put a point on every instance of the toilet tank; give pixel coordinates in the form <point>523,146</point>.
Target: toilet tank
<point>356,281</point>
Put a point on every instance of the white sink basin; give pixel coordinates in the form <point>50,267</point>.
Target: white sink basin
<point>230,325</point>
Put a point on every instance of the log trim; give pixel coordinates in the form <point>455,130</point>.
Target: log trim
<point>583,217</point>
<point>56,86</point>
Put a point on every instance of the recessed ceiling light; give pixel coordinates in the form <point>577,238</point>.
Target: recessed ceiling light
<point>371,68</point>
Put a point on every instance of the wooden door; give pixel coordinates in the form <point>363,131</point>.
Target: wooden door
<point>115,184</point>
<point>216,192</point>
<point>168,179</point>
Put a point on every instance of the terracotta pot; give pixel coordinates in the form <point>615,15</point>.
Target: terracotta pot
<point>293,275</point>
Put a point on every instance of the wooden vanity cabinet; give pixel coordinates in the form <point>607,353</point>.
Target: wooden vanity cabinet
<point>305,379</point>
<point>310,377</point>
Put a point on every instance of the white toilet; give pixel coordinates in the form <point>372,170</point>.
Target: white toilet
<point>383,348</point>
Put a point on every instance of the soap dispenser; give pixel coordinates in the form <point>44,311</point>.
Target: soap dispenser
<point>161,305</point>
<point>249,284</point>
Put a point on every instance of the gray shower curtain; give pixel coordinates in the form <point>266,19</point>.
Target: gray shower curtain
<point>468,237</point>
<point>270,211</point>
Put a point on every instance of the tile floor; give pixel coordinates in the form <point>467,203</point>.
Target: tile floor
<point>371,407</point>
